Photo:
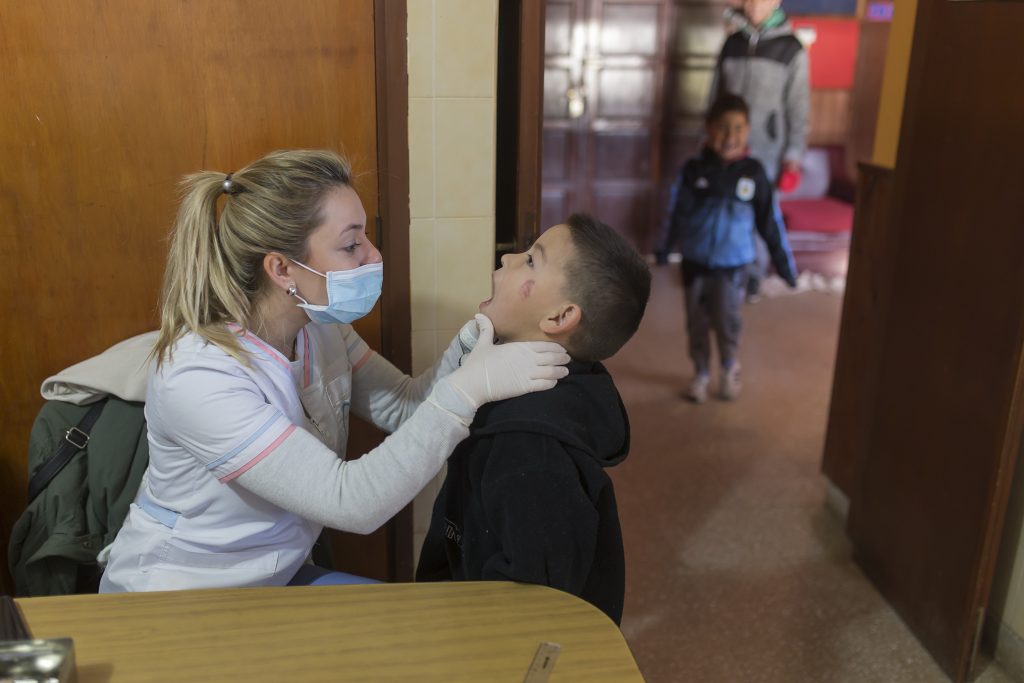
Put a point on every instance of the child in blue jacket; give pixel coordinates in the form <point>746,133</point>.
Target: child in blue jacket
<point>721,196</point>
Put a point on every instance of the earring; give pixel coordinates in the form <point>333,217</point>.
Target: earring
<point>292,289</point>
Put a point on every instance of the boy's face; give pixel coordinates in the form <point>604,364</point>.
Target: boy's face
<point>529,290</point>
<point>727,135</point>
<point>759,10</point>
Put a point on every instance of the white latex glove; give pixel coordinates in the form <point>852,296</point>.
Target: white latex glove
<point>461,344</point>
<point>468,335</point>
<point>495,372</point>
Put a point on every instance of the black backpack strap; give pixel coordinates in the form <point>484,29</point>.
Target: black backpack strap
<point>75,440</point>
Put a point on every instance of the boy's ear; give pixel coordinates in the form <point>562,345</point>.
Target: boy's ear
<point>563,320</point>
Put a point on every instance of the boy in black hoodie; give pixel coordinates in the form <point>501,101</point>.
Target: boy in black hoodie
<point>526,497</point>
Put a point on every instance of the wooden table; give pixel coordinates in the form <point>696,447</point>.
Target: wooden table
<point>479,632</point>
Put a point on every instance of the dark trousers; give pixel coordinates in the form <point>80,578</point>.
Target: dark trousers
<point>714,298</point>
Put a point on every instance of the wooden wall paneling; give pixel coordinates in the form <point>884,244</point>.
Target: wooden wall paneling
<point>867,91</point>
<point>103,111</point>
<point>927,513</point>
<point>829,117</point>
<point>861,332</point>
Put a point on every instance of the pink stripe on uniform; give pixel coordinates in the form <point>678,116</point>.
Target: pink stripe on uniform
<point>305,358</point>
<point>362,361</point>
<point>272,352</point>
<point>266,451</point>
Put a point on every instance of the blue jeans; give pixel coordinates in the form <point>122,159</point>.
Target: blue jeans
<point>312,575</point>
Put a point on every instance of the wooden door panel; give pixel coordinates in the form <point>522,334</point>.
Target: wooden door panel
<point>626,204</point>
<point>625,93</point>
<point>862,330</point>
<point>557,155</point>
<point>555,206</point>
<point>557,82</point>
<point>698,32</point>
<point>106,105</point>
<point>621,154</point>
<point>927,514</point>
<point>615,60</point>
<point>558,28</point>
<point>629,28</point>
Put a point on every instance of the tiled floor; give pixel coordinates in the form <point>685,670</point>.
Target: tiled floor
<point>736,569</point>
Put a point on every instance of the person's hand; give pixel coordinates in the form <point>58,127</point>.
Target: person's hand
<point>461,344</point>
<point>495,372</point>
<point>468,335</point>
<point>790,177</point>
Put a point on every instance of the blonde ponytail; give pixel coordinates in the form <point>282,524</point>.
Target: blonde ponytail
<point>214,271</point>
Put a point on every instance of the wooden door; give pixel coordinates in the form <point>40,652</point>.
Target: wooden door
<point>604,75</point>
<point>697,35</point>
<point>106,105</point>
<point>949,398</point>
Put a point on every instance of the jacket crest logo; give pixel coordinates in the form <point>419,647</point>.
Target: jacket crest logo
<point>745,189</point>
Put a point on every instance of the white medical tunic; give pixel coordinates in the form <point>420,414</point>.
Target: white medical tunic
<point>210,419</point>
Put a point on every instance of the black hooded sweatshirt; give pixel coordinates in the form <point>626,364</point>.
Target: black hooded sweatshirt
<point>527,498</point>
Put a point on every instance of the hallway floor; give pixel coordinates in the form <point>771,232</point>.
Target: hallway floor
<point>736,570</point>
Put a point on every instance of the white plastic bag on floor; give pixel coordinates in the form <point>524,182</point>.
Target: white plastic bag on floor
<point>807,281</point>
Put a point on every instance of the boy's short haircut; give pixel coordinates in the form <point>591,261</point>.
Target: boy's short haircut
<point>726,103</point>
<point>610,282</point>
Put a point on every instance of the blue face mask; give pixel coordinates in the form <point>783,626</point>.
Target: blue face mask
<point>351,294</point>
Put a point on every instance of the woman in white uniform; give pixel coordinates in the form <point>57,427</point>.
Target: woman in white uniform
<point>248,403</point>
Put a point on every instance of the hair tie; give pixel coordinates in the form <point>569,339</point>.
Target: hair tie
<point>227,184</point>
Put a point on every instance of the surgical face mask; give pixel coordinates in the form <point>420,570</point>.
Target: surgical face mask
<point>351,294</point>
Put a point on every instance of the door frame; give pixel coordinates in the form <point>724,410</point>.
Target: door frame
<point>390,25</point>
<point>387,553</point>
<point>519,125</point>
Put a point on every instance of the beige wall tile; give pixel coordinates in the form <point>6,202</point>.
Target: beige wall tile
<point>423,274</point>
<point>464,148</point>
<point>452,48</point>
<point>465,253</point>
<point>466,34</point>
<point>445,337</point>
<point>421,48</point>
<point>421,157</point>
<point>424,350</point>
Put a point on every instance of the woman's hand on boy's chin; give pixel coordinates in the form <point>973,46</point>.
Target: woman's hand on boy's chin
<point>489,374</point>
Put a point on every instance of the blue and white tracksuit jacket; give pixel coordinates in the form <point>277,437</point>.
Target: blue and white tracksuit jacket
<point>715,209</point>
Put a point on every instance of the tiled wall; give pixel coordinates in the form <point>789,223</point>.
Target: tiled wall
<point>452,66</point>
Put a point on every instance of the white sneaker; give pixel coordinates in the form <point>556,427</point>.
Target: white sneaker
<point>731,384</point>
<point>698,391</point>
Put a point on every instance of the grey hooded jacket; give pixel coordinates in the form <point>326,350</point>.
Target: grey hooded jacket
<point>768,67</point>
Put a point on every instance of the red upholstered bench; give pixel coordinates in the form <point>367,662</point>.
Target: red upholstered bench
<point>817,215</point>
<point>823,204</point>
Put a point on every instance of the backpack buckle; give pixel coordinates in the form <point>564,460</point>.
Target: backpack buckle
<point>80,440</point>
